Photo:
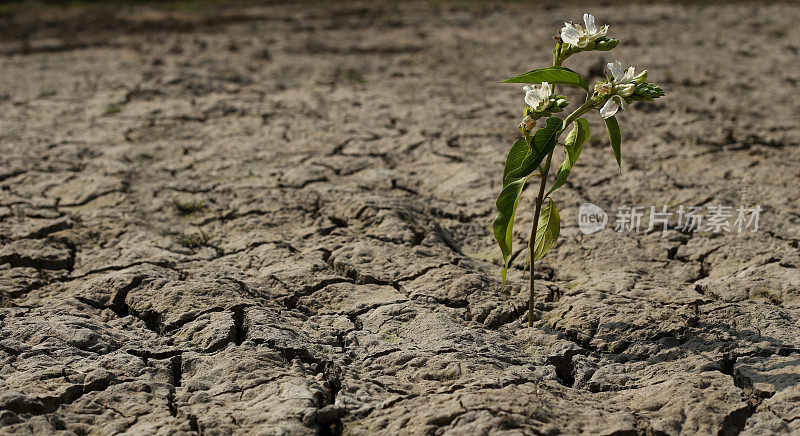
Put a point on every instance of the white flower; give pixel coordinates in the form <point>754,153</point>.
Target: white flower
<point>538,98</point>
<point>623,85</point>
<point>604,88</point>
<point>576,35</point>
<point>612,105</point>
<point>623,80</point>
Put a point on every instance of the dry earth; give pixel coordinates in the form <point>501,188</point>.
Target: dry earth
<point>275,220</point>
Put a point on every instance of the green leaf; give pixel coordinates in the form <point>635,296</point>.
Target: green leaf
<point>504,221</point>
<point>515,156</point>
<point>572,147</point>
<point>547,230</point>
<point>542,143</point>
<point>552,75</point>
<point>615,137</point>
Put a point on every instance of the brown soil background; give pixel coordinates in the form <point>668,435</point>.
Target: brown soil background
<point>340,276</point>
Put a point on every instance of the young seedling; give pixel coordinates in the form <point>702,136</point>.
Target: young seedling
<point>193,240</point>
<point>112,109</point>
<point>531,155</point>
<point>188,207</point>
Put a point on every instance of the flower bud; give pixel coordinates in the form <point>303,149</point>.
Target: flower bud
<point>556,103</point>
<point>647,92</point>
<point>606,44</point>
<point>625,89</point>
<point>603,88</point>
<point>527,124</point>
<point>641,77</point>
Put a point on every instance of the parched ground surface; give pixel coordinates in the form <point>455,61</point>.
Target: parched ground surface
<point>275,220</point>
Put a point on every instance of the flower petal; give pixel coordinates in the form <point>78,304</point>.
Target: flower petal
<point>610,108</point>
<point>574,26</point>
<point>591,29</point>
<point>622,103</point>
<point>625,89</point>
<point>602,31</point>
<point>532,99</point>
<point>630,73</point>
<point>570,34</point>
<point>546,91</point>
<point>616,70</point>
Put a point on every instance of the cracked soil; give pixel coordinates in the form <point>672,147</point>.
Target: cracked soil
<point>275,219</point>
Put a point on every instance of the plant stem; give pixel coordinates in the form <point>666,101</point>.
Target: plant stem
<point>544,171</point>
<point>532,242</point>
<point>577,113</point>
